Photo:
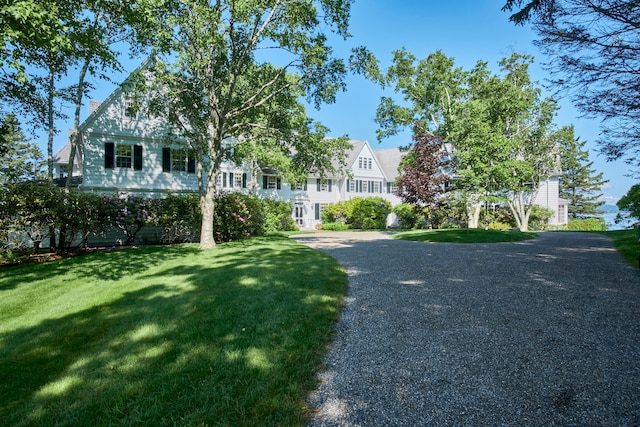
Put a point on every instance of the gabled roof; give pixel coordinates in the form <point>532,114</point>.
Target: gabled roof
<point>389,160</point>
<point>146,64</point>
<point>62,156</point>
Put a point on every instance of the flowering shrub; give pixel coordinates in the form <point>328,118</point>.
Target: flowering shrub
<point>237,216</point>
<point>130,213</point>
<point>179,218</point>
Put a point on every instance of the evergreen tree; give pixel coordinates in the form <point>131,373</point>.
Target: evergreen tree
<point>20,159</point>
<point>578,182</point>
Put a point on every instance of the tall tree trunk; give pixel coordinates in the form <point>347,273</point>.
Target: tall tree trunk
<point>50,124</point>
<point>76,120</point>
<point>207,193</point>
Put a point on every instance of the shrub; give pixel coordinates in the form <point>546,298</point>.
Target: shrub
<point>498,225</point>
<point>341,212</point>
<point>371,213</point>
<point>278,216</point>
<point>27,210</point>
<point>130,213</point>
<point>407,215</point>
<point>539,218</point>
<point>179,218</point>
<point>237,216</point>
<point>335,226</point>
<point>587,224</point>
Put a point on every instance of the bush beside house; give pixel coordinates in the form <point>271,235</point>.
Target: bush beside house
<point>36,214</point>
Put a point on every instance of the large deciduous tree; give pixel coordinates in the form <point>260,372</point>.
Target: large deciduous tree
<point>235,78</point>
<point>422,176</point>
<point>593,46</point>
<point>579,183</point>
<point>502,136</point>
<point>630,202</point>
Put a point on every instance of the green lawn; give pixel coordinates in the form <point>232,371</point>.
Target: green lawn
<point>168,335</point>
<point>465,235</point>
<point>626,242</point>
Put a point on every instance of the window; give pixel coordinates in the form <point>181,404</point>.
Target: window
<point>130,109</point>
<point>365,163</point>
<point>271,182</point>
<point>300,186</point>
<point>319,207</point>
<point>179,160</point>
<point>376,187</point>
<point>124,156</point>
<point>323,185</point>
<point>238,180</point>
<point>352,186</point>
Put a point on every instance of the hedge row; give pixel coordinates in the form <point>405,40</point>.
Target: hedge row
<point>36,212</point>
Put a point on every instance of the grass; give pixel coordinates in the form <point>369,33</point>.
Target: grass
<point>465,235</point>
<point>167,335</point>
<point>626,242</point>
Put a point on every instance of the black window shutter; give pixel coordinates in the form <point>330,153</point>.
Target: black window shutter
<point>265,182</point>
<point>191,163</point>
<point>278,183</point>
<point>137,157</point>
<point>381,186</point>
<point>388,187</point>
<point>329,186</point>
<point>305,185</point>
<point>318,186</point>
<point>317,211</point>
<point>244,180</point>
<point>166,159</point>
<point>224,179</point>
<point>109,155</point>
<point>348,183</point>
<point>231,179</point>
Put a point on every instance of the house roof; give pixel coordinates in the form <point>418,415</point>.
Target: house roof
<point>389,159</point>
<point>62,156</point>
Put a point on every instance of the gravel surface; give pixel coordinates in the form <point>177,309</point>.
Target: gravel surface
<point>541,332</point>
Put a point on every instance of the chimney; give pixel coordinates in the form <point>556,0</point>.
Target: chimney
<point>93,106</point>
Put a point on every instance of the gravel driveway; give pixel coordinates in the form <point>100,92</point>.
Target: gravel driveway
<point>541,332</point>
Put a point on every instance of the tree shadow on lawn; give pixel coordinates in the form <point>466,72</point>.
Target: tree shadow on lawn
<point>229,346</point>
<point>95,265</point>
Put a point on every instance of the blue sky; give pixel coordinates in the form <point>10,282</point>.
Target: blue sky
<point>466,30</point>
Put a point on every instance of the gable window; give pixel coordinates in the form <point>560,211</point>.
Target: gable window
<point>122,156</point>
<point>130,109</point>
<point>365,163</point>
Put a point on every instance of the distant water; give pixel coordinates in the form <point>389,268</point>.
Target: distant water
<point>609,215</point>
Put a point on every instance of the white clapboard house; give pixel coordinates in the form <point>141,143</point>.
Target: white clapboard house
<point>121,150</point>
